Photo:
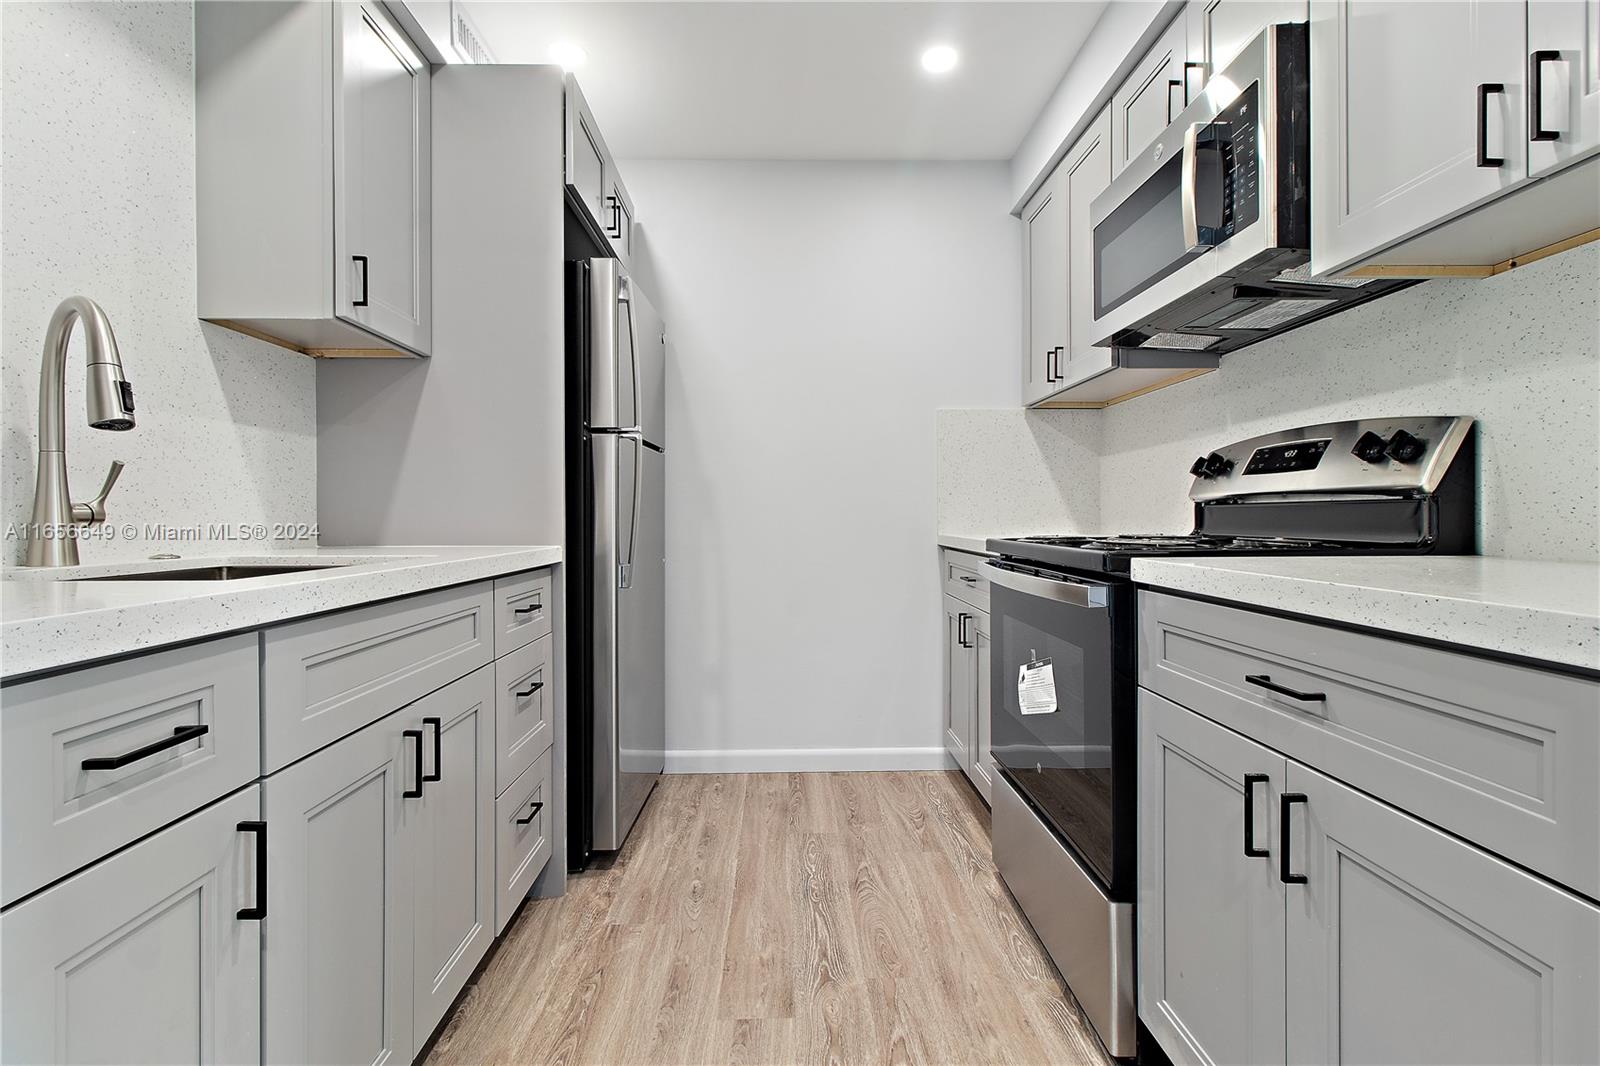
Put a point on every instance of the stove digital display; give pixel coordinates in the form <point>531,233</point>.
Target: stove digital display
<point>1286,458</point>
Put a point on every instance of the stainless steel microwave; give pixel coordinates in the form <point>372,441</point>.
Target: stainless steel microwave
<point>1203,242</point>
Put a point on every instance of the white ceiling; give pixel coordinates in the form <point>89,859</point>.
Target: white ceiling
<point>820,80</point>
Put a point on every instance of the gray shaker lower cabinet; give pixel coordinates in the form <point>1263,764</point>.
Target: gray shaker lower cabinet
<point>337,966</point>
<point>982,772</point>
<point>1407,945</point>
<point>1210,917</point>
<point>1401,944</point>
<point>958,683</point>
<point>142,958</point>
<point>454,852</point>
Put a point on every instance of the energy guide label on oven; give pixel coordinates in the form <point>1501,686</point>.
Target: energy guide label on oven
<point>1036,687</point>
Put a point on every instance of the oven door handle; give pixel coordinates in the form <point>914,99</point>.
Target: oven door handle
<point>1061,590</point>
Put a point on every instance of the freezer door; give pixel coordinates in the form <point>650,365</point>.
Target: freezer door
<point>629,591</point>
<point>627,355</point>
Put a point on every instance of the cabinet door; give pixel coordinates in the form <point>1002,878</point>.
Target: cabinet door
<point>1211,935</point>
<point>337,973</point>
<point>619,223</point>
<point>1395,118</point>
<point>1088,173</point>
<point>1408,945</point>
<point>586,154</point>
<point>1151,97</point>
<point>1044,266</point>
<point>381,190</point>
<point>1569,101</point>
<point>1219,30</point>
<point>982,759</point>
<point>142,958</point>
<point>454,826</point>
<point>958,683</point>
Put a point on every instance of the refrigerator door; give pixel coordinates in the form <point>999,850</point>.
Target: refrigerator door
<point>629,639</point>
<point>627,355</point>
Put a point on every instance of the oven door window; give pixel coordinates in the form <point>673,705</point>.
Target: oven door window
<point>1141,241</point>
<point>1061,758</point>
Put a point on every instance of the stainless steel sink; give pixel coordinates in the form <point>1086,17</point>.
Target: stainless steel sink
<point>227,572</point>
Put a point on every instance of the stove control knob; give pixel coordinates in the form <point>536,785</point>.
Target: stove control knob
<point>1404,448</point>
<point>1217,464</point>
<point>1199,468</point>
<point>1370,448</point>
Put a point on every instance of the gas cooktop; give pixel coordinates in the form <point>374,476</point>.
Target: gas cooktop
<point>1394,486</point>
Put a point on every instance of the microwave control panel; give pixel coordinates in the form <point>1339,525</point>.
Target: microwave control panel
<point>1226,170</point>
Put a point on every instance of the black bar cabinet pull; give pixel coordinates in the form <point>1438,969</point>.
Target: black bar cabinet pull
<point>180,735</point>
<point>527,610</point>
<point>534,813</point>
<point>1485,90</point>
<point>1536,62</point>
<point>438,730</point>
<point>1263,681</point>
<point>415,735</point>
<point>530,690</point>
<point>259,911</point>
<point>1287,800</point>
<point>961,629</point>
<point>1250,783</point>
<point>1174,83</point>
<point>364,270</point>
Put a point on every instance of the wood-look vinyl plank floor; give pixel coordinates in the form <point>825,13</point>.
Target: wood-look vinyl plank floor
<point>779,918</point>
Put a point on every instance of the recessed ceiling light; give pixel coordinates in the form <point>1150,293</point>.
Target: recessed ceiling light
<point>568,55</point>
<point>940,59</point>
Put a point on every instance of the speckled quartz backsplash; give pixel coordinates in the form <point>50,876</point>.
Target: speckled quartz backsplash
<point>1520,352</point>
<point>97,135</point>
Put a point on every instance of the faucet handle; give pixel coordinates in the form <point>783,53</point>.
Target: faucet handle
<point>95,509</point>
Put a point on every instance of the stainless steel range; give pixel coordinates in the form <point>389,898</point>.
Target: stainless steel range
<point>1063,630</point>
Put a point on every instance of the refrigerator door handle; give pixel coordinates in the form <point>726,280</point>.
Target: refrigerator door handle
<point>625,571</point>
<point>625,298</point>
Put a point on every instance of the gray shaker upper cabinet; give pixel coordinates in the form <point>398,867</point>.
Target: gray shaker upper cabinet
<point>1044,290</point>
<point>1423,131</point>
<point>1151,97</point>
<point>1564,46</point>
<point>592,176</point>
<point>313,177</point>
<point>1219,29</point>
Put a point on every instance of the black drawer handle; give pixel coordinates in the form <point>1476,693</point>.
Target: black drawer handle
<point>1250,783</point>
<point>414,735</point>
<point>1287,800</point>
<point>259,911</point>
<point>1485,90</point>
<point>1536,62</point>
<point>537,807</point>
<point>527,610</point>
<point>530,690</point>
<point>1263,681</point>
<point>970,579</point>
<point>180,735</point>
<point>438,730</point>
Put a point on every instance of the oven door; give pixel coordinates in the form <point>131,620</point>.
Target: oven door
<point>1059,700</point>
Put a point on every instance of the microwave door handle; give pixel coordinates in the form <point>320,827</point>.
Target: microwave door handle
<point>1191,217</point>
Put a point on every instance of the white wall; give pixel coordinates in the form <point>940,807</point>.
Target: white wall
<point>1520,352</point>
<point>97,135</point>
<point>818,314</point>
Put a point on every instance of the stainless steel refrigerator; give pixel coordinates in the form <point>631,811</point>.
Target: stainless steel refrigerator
<point>617,571</point>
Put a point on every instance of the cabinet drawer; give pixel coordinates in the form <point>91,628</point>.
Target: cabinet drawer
<point>524,706</point>
<point>963,577</point>
<point>327,677</point>
<point>525,817</point>
<point>521,610</point>
<point>59,815</point>
<point>1500,754</point>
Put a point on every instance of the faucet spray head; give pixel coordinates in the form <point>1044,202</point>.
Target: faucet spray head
<point>110,396</point>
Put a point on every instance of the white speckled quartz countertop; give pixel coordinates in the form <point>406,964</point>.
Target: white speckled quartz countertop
<point>47,623</point>
<point>1548,611</point>
<point>965,542</point>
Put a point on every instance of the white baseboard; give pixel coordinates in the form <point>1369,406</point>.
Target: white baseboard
<point>805,760</point>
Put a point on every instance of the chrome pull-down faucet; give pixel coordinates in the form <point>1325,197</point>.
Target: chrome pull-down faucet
<point>52,539</point>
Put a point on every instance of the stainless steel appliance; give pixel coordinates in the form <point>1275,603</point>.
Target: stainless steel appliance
<point>1203,243</point>
<point>617,523</point>
<point>1063,645</point>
